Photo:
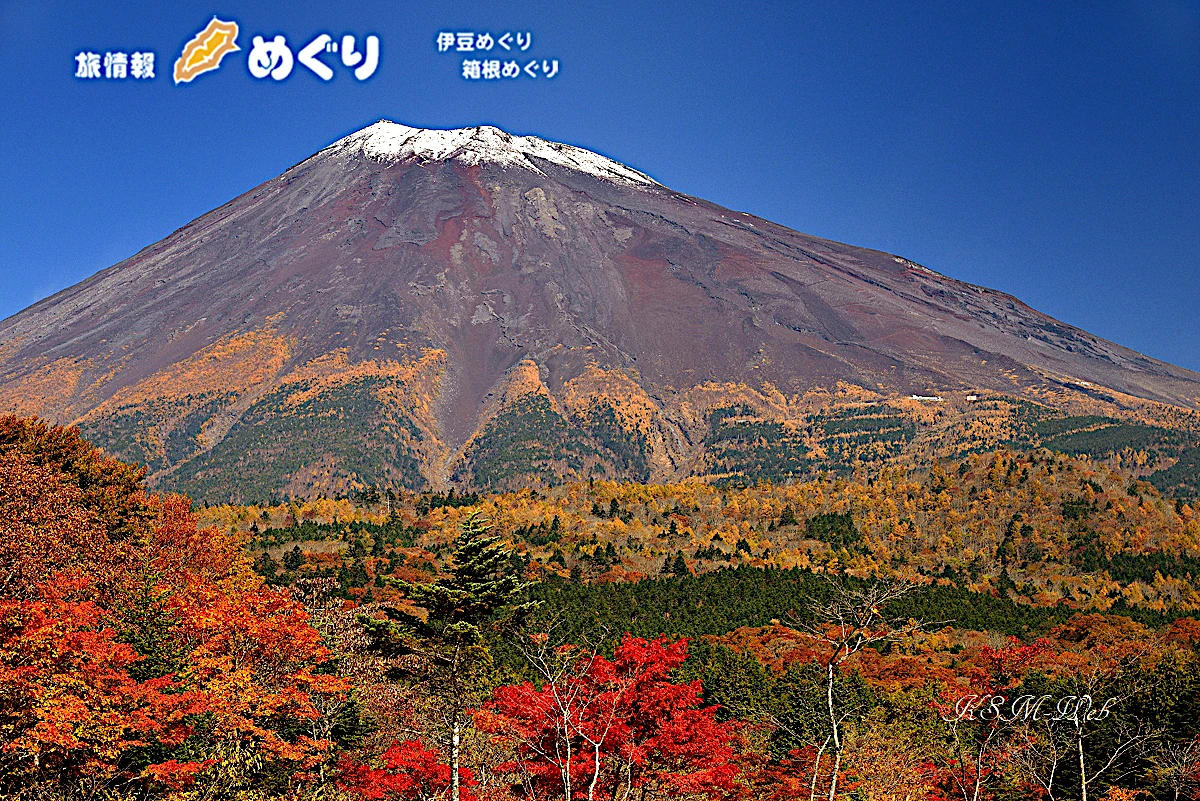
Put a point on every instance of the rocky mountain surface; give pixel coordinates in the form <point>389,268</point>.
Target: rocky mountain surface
<point>426,308</point>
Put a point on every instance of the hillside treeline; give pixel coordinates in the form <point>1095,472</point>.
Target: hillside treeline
<point>1038,528</point>
<point>342,650</point>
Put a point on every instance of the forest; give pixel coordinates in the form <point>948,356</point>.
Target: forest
<point>1000,626</point>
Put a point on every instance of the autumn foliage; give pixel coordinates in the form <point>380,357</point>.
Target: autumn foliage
<point>142,657</point>
<point>71,703</point>
<point>408,770</point>
<point>601,724</point>
<point>135,647</point>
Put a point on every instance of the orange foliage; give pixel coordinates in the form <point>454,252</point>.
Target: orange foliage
<point>70,703</point>
<point>121,620</point>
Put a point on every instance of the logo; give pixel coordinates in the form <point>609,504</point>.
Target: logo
<point>206,49</point>
<point>267,58</point>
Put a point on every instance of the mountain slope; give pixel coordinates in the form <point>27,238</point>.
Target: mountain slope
<point>416,307</point>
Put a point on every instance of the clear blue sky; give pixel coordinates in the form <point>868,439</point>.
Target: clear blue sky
<point>1051,150</point>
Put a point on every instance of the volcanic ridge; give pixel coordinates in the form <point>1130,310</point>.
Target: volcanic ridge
<point>424,308</point>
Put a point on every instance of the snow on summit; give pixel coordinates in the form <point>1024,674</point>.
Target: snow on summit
<point>391,141</point>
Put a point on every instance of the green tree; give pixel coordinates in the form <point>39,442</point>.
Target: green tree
<point>676,566</point>
<point>265,566</point>
<point>445,648</point>
<point>293,559</point>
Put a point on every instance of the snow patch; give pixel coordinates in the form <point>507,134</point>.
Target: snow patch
<point>912,265</point>
<point>391,141</point>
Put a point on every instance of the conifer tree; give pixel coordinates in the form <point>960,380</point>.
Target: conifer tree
<point>676,566</point>
<point>446,648</point>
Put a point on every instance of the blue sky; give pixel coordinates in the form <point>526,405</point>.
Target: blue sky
<point>1050,150</point>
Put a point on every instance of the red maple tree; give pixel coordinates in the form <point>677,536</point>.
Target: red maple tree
<point>409,772</point>
<point>598,725</point>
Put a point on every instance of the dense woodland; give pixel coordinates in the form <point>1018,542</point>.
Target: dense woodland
<point>1001,626</point>
<point>1039,528</point>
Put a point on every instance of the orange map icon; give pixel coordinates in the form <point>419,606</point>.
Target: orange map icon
<point>206,49</point>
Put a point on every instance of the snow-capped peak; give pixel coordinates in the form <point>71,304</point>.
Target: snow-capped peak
<point>391,141</point>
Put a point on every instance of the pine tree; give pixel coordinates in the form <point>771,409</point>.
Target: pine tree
<point>675,567</point>
<point>265,566</point>
<point>479,595</point>
<point>293,559</point>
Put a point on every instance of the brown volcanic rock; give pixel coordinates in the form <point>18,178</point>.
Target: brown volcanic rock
<point>435,263</point>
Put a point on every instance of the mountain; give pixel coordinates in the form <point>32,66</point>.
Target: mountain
<point>424,308</point>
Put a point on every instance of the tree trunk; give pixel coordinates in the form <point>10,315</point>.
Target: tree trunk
<point>837,740</point>
<point>812,790</point>
<point>1083,781</point>
<point>833,776</point>
<point>595,772</point>
<point>565,771</point>
<point>454,761</point>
